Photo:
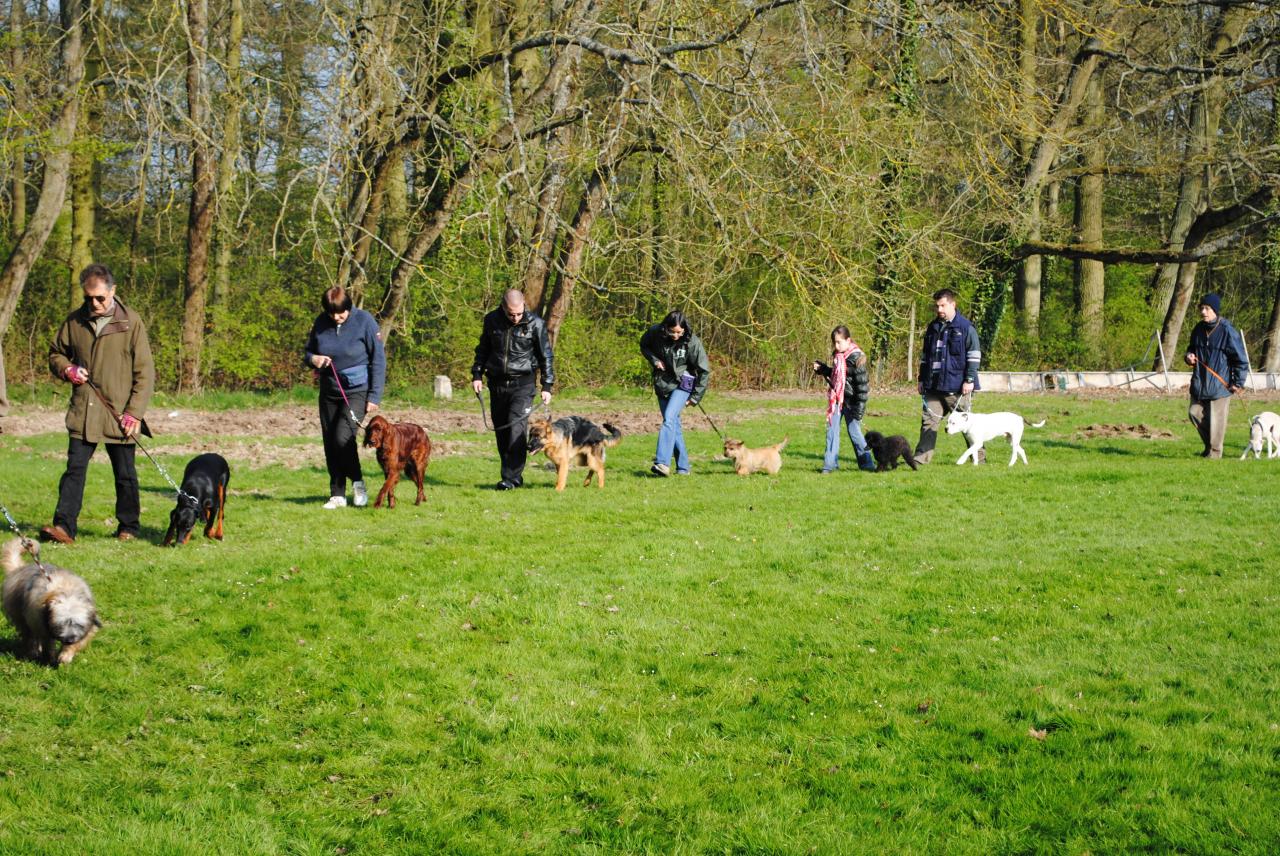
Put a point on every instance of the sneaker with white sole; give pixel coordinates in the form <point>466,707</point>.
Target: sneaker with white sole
<point>336,502</point>
<point>361,495</point>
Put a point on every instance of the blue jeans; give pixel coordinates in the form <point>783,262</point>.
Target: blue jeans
<point>831,458</point>
<point>670,437</point>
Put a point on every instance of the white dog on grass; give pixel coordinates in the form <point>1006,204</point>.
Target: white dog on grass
<point>978,428</point>
<point>1264,426</point>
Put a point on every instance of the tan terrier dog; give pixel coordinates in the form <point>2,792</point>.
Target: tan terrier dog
<point>747,461</point>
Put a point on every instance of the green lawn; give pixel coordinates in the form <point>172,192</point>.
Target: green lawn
<point>1074,656</point>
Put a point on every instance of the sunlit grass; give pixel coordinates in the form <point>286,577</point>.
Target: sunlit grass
<point>1077,655</point>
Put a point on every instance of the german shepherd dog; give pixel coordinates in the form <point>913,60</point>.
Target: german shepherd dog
<point>573,439</point>
<point>203,496</point>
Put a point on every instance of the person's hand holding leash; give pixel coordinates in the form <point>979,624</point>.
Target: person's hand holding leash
<point>1190,359</point>
<point>476,386</point>
<point>129,424</point>
<point>546,396</point>
<point>662,367</point>
<point>320,361</point>
<point>76,374</point>
<point>966,388</point>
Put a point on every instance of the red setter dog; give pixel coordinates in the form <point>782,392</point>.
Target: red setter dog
<point>402,448</point>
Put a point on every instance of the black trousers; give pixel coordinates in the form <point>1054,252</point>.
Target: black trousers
<point>71,486</point>
<point>341,443</point>
<point>510,402</point>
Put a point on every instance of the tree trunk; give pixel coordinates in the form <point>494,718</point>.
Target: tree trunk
<point>84,166</point>
<point>1271,261</point>
<point>226,211</point>
<point>1271,353</point>
<point>1090,274</point>
<point>57,168</point>
<point>139,210</point>
<point>200,214</point>
<point>572,254</point>
<point>1026,290</point>
<point>887,285</point>
<point>18,172</point>
<point>1206,112</point>
<point>546,223</point>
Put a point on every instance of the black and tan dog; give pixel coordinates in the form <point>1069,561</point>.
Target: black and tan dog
<point>203,496</point>
<point>887,450</point>
<point>573,439</point>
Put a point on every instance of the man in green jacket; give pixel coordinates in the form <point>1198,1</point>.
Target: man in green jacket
<point>102,348</point>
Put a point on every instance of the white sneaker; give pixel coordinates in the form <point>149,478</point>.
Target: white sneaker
<point>361,495</point>
<point>336,502</point>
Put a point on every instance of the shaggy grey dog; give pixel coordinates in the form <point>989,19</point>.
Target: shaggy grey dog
<point>51,608</point>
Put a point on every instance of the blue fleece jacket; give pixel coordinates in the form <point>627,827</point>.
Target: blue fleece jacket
<point>355,346</point>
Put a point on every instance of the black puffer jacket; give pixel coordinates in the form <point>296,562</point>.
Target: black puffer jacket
<point>509,350</point>
<point>856,385</point>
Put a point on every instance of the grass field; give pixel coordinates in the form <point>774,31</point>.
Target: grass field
<point>1076,656</point>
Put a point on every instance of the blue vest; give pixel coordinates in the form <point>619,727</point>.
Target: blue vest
<point>950,377</point>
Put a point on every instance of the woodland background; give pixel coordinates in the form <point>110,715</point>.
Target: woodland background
<point>1078,170</point>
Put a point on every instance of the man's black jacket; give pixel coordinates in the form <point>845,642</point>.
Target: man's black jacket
<point>508,351</point>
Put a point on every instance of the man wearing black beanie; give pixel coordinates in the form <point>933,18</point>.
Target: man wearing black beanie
<point>1219,368</point>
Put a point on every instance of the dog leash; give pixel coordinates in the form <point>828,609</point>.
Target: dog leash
<point>528,411</point>
<point>27,543</point>
<point>345,400</point>
<point>1240,395</point>
<point>710,420</point>
<point>181,494</point>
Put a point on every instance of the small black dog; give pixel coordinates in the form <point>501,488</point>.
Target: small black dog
<point>888,449</point>
<point>204,494</point>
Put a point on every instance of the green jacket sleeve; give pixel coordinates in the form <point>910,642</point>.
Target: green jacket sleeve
<point>702,370</point>
<point>144,373</point>
<point>61,354</point>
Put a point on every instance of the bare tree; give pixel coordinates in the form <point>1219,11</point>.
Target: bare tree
<point>57,167</point>
<point>200,212</point>
<point>1090,274</point>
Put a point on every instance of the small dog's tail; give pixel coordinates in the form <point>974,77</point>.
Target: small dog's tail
<point>783,444</point>
<point>615,436</point>
<point>1039,424</point>
<point>11,553</point>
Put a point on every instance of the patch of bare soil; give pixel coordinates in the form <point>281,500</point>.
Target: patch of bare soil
<point>1102,430</point>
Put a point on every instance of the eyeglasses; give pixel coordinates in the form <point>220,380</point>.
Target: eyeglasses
<point>98,298</point>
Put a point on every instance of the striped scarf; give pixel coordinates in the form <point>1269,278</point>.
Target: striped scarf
<point>839,373</point>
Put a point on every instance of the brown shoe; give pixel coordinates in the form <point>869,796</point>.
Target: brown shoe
<point>56,533</point>
<point>125,536</point>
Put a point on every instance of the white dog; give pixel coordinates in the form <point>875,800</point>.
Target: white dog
<point>978,428</point>
<point>1264,426</point>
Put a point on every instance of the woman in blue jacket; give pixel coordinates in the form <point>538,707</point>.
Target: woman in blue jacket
<point>345,349</point>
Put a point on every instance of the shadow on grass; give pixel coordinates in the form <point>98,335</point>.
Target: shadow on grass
<point>1085,447</point>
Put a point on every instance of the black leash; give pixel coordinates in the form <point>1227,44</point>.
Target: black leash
<point>528,411</point>
<point>709,419</point>
<point>143,429</point>
<point>27,544</point>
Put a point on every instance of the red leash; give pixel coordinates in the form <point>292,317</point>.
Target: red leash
<point>345,400</point>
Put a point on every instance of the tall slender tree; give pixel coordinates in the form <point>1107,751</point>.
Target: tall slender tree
<point>200,212</point>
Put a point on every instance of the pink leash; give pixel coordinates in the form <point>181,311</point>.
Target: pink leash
<point>345,400</point>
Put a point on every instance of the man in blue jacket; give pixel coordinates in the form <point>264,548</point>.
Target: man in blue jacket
<point>948,369</point>
<point>1219,367</point>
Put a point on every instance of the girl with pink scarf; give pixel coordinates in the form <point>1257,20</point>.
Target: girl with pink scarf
<point>847,389</point>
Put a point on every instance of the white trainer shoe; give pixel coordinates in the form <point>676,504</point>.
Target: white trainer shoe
<point>336,502</point>
<point>361,495</point>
